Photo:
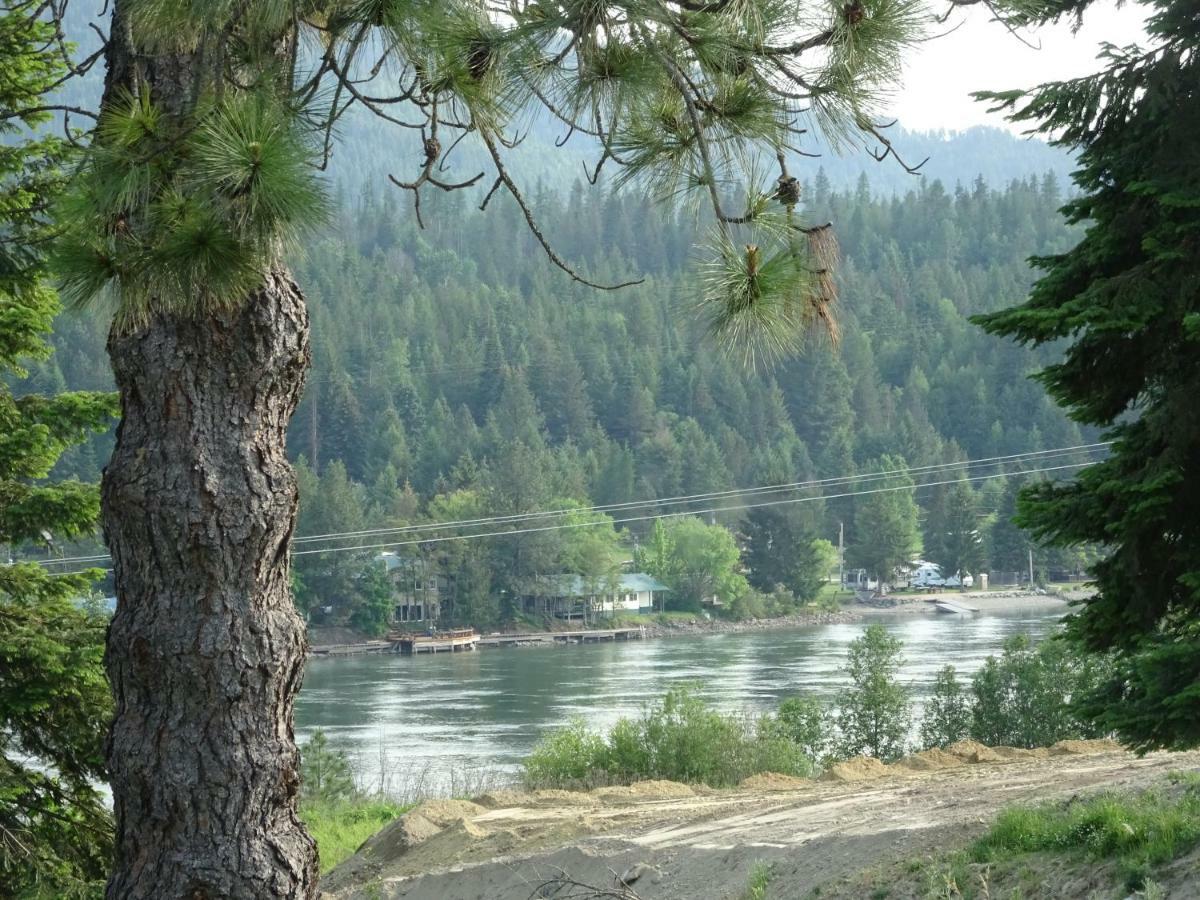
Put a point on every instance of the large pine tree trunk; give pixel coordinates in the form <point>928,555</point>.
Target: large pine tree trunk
<point>206,649</point>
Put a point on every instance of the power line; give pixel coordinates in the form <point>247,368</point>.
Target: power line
<point>966,465</point>
<point>766,490</point>
<point>560,527</point>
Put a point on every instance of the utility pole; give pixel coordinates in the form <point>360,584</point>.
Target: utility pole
<point>1031,567</point>
<point>841,556</point>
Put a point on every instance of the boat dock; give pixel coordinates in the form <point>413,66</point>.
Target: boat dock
<point>460,639</point>
<point>952,606</point>
<point>436,642</point>
<point>586,636</point>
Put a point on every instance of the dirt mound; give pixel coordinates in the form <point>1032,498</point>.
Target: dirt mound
<point>773,781</point>
<point>442,812</point>
<point>973,752</point>
<point>562,798</point>
<point>415,827</point>
<point>932,760</point>
<point>1011,753</point>
<point>406,832</point>
<point>1067,748</point>
<point>858,768</point>
<point>646,790</point>
<point>503,799</point>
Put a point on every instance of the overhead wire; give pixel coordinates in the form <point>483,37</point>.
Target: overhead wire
<point>743,506</point>
<point>964,466</point>
<point>669,515</point>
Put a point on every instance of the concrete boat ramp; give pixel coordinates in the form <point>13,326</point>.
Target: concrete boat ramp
<point>953,607</point>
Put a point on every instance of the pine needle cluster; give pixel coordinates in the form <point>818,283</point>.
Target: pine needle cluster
<point>187,220</point>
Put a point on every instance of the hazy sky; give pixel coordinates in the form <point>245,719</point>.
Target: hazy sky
<point>982,55</point>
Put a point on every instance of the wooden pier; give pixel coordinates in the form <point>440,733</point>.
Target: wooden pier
<point>453,641</point>
<point>587,636</point>
<point>460,639</point>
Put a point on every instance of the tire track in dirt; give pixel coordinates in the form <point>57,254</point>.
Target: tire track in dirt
<point>704,845</point>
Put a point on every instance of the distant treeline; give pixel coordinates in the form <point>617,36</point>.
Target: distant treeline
<point>458,375</point>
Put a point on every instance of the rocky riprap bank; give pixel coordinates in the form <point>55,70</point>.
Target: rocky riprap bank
<point>724,626</point>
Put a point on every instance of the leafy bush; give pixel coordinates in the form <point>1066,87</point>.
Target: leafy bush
<point>1024,697</point>
<point>805,722</point>
<point>749,605</point>
<point>873,711</point>
<point>568,755</point>
<point>948,713</point>
<point>680,738</point>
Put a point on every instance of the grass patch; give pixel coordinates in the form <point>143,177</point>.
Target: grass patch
<point>1136,833</point>
<point>340,827</point>
<point>760,878</point>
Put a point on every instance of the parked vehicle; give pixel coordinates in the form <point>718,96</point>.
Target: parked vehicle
<point>929,575</point>
<point>926,574</point>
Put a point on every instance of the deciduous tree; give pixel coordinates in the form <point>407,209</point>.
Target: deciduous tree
<point>873,711</point>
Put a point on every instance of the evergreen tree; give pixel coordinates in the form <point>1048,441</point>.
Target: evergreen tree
<point>782,549</point>
<point>325,773</point>
<point>959,548</point>
<point>1127,297</point>
<point>1008,543</point>
<point>55,830</point>
<point>886,534</point>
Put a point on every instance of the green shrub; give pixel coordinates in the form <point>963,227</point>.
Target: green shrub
<point>873,710</point>
<point>1024,697</point>
<point>748,605</point>
<point>680,738</point>
<point>947,715</point>
<point>325,772</point>
<point>568,756</point>
<point>805,722</point>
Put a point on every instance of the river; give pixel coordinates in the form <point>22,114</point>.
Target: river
<point>462,721</point>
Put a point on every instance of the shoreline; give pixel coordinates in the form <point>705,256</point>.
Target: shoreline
<point>985,603</point>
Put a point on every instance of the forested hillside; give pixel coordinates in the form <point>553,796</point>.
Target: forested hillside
<point>457,375</point>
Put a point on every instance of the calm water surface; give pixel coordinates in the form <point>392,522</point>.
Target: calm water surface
<point>445,718</point>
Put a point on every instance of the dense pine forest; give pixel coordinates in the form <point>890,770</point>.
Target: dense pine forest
<point>457,376</point>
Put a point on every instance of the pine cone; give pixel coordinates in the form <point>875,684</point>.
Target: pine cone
<point>788,190</point>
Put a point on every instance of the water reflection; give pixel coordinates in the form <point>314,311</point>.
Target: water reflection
<point>443,714</point>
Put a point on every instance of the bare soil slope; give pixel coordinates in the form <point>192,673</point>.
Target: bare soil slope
<point>702,845</point>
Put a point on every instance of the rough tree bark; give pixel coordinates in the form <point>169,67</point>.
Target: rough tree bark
<point>206,650</point>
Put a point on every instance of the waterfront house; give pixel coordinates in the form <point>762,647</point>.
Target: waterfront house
<point>572,596</point>
<point>417,585</point>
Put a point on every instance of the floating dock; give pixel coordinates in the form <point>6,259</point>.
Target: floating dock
<point>437,642</point>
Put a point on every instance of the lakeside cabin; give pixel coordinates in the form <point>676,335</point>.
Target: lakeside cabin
<point>568,596</point>
<point>417,586</point>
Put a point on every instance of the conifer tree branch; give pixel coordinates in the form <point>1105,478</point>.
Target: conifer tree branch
<point>535,230</point>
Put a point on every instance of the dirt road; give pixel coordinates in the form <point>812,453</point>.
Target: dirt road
<point>695,846</point>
